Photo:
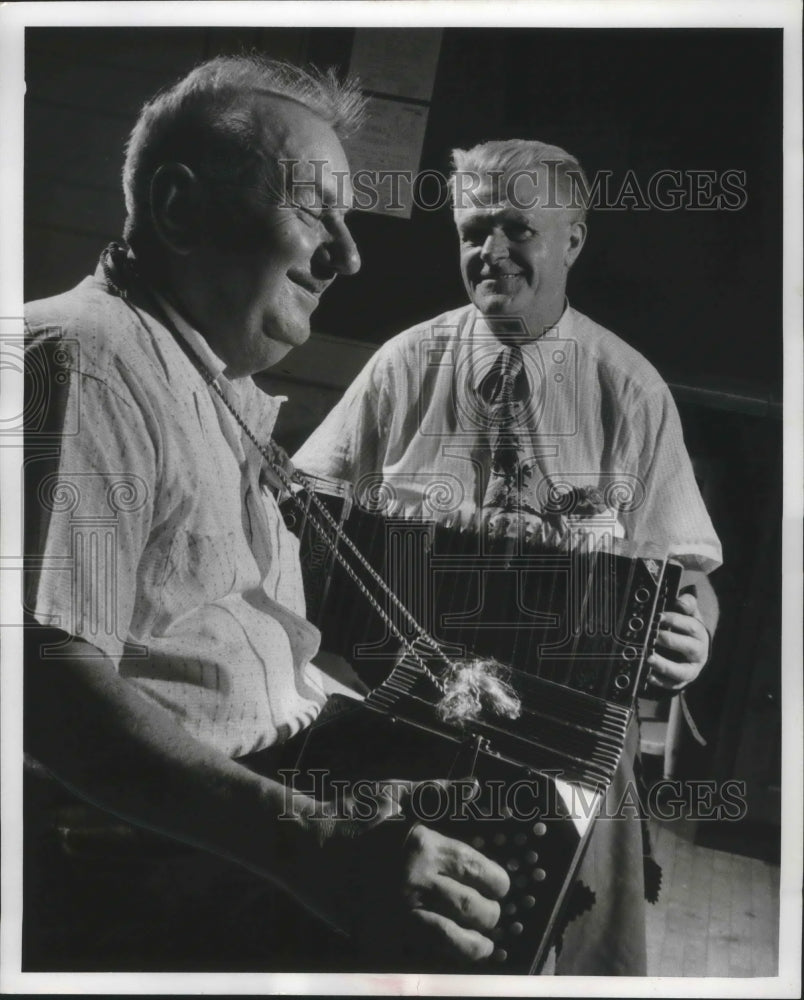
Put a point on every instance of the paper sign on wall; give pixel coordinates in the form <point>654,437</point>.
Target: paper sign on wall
<point>399,64</point>
<point>397,61</point>
<point>384,157</point>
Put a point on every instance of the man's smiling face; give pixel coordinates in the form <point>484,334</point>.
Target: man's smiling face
<point>515,260</point>
<point>263,292</point>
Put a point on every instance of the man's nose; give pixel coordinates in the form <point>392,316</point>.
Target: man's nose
<point>341,250</point>
<point>495,246</point>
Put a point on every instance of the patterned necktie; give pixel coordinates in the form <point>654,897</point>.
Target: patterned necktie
<point>503,486</point>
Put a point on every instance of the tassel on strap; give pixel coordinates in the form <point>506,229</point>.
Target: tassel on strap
<point>470,687</point>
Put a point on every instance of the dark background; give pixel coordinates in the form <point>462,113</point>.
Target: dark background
<point>699,293</point>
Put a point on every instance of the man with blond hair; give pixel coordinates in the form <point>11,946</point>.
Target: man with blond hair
<point>591,420</point>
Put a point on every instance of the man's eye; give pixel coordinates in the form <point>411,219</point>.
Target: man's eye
<point>519,231</point>
<point>310,215</point>
<point>472,237</point>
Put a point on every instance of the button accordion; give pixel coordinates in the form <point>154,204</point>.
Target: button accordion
<point>572,630</point>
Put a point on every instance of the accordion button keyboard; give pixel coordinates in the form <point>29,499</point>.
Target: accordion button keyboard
<point>539,875</point>
<point>509,909</point>
<point>516,928</point>
<point>500,955</point>
<point>528,902</point>
<point>531,857</point>
<point>512,865</point>
<point>539,829</point>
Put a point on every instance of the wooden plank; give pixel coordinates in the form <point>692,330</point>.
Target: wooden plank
<point>719,930</point>
<point>765,909</point>
<point>698,913</point>
<point>672,953</point>
<point>718,914</point>
<point>741,952</point>
<point>655,931</point>
<point>695,957</point>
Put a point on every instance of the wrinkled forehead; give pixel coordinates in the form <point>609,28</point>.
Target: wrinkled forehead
<point>539,188</point>
<point>307,150</point>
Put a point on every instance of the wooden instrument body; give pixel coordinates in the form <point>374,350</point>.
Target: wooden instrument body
<point>574,629</point>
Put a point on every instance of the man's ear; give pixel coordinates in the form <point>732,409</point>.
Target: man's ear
<point>177,207</point>
<point>575,241</point>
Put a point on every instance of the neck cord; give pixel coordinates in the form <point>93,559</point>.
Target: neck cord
<point>117,267</point>
<point>299,479</point>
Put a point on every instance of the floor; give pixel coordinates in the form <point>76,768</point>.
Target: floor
<point>718,911</point>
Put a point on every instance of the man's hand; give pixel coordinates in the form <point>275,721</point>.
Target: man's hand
<point>682,646</point>
<point>407,894</point>
<point>440,905</point>
<point>409,888</point>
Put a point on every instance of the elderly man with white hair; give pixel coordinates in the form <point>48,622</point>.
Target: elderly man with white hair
<point>169,660</point>
<point>591,420</point>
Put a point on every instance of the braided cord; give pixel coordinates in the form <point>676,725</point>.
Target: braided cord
<point>287,482</point>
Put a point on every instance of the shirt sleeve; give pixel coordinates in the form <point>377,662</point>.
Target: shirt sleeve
<point>668,511</point>
<point>91,474</point>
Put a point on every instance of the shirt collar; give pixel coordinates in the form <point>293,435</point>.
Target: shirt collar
<point>490,347</point>
<point>193,338</point>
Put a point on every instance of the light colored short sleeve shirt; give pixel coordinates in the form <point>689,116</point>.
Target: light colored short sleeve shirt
<point>155,538</point>
<point>597,414</point>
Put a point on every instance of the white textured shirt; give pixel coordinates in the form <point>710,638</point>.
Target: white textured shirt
<point>157,542</point>
<point>414,429</point>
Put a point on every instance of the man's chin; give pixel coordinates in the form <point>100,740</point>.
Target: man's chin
<point>494,305</point>
<point>278,346</point>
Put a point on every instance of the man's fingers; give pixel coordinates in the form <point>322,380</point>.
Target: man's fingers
<point>464,864</point>
<point>461,903</point>
<point>410,798</point>
<point>684,648</point>
<point>669,674</point>
<point>679,621</point>
<point>433,854</point>
<point>447,937</point>
<point>687,604</point>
